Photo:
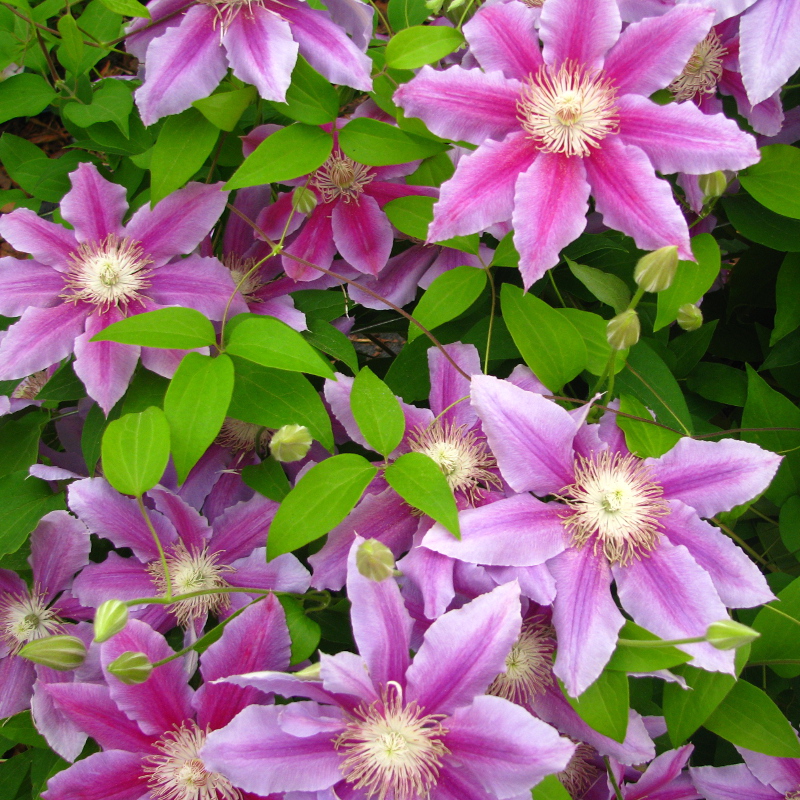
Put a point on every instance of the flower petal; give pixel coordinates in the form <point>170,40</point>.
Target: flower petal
<point>283,574</point>
<point>735,782</point>
<point>579,30</point>
<point>93,206</point>
<point>26,283</point>
<point>363,234</point>
<point>112,775</point>
<point>432,576</point>
<point>16,677</point>
<point>59,548</point>
<point>115,578</point>
<point>243,527</point>
<point>348,674</point>
<point>782,774</point>
<point>450,389</point>
<point>47,242</point>
<point>314,244</point>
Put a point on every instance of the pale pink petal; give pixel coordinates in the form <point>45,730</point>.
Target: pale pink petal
<point>27,283</point>
<point>16,677</point>
<point>449,398</point>
<point>432,575</point>
<point>112,775</point>
<point>94,206</point>
<point>347,675</point>
<point>282,574</point>
<point>781,773</point>
<point>59,548</point>
<point>164,362</point>
<point>363,234</point>
<point>579,30</point>
<point>766,117</point>
<point>47,242</point>
<point>735,782</point>
<point>192,528</point>
<point>116,578</point>
<point>660,774</point>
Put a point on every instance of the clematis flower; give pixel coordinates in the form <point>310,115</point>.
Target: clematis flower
<point>82,280</point>
<point>381,725</point>
<point>189,49</point>
<point>619,518</point>
<point>150,734</point>
<point>556,125</point>
<point>664,779</point>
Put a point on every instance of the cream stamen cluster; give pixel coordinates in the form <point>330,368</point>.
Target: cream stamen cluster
<point>569,110</point>
<point>340,176</point>
<point>529,665</point>
<point>581,772</point>
<point>244,276</point>
<point>227,10</point>
<point>703,71</point>
<point>616,506</point>
<point>26,617</point>
<point>391,749</point>
<point>111,272</point>
<point>31,386</point>
<point>178,772</point>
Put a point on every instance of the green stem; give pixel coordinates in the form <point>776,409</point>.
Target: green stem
<point>161,553</point>
<point>492,312</point>
<point>556,289</point>
<point>659,642</point>
<point>776,661</point>
<point>168,601</point>
<point>383,19</point>
<point>613,779</point>
<point>746,547</point>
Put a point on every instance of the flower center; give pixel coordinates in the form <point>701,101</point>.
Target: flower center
<point>616,505</point>
<point>529,665</point>
<point>227,10</point>
<point>533,3</point>
<point>242,437</point>
<point>246,279</point>
<point>392,749</point>
<point>569,110</point>
<point>111,272</point>
<point>24,618</point>
<point>580,772</point>
<point>703,71</point>
<point>31,386</point>
<point>193,571</point>
<point>462,456</point>
<point>178,773</point>
<point>340,176</point>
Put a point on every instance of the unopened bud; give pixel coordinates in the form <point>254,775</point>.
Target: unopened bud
<point>728,634</point>
<point>59,652</point>
<point>311,673</point>
<point>110,618</point>
<point>303,200</point>
<point>290,443</point>
<point>656,271</point>
<point>712,185</point>
<point>375,561</point>
<point>131,668</point>
<point>690,317</point>
<point>623,330</point>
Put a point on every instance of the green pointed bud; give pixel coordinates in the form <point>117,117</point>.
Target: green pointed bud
<point>434,6</point>
<point>304,200</point>
<point>311,673</point>
<point>59,652</point>
<point>690,317</point>
<point>110,618</point>
<point>375,560</point>
<point>623,330</point>
<point>728,634</point>
<point>290,443</point>
<point>656,271</point>
<point>712,185</point>
<point>131,668</point>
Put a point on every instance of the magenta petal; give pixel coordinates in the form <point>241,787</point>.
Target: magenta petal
<point>585,617</point>
<point>714,476</point>
<point>283,574</point>
<point>185,64</point>
<point>462,104</point>
<point>243,527</point>
<point>116,578</point>
<point>432,576</point>
<point>579,30</point>
<point>449,398</point>
<point>633,200</point>
<point>284,684</point>
<point>481,192</point>
<point>503,37</point>
<point>62,734</point>
<point>27,283</point>
<point>663,770</point>
<point>782,774</point>
<point>112,775</point>
<point>261,51</point>
<point>314,244</point>
<point>520,751</point>
<point>16,677</point>
<point>735,782</point>
<point>363,234</point>
<point>674,598</point>
<point>455,782</point>
<point>41,338</point>
<point>192,528</point>
<point>550,205</point>
<point>94,206</point>
<point>59,548</point>
<point>47,242</point>
<point>348,674</point>
<point>448,670</point>
<point>650,54</point>
<point>531,437</point>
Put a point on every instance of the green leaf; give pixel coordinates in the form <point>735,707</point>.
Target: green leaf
<point>604,705</point>
<point>320,303</point>
<point>273,398</point>
<point>433,171</point>
<point>607,288</point>
<point>224,109</point>
<point>145,390</point>
<point>422,44</point>
<point>377,412</point>
<point>644,659</point>
<point>64,385</point>
<point>195,406</point>
<point>774,179</point>
<point>550,344</point>
<point>418,479</point>
<point>267,478</point>
<point>172,328</point>
<point>761,225</point>
<point>780,639</point>
<point>405,13</point>
<point>330,340</point>
<point>719,382</point>
<point>24,500</point>
<point>286,154</point>
<point>24,95</point>
<point>183,144</point>
<point>592,328</point>
<point>789,527</point>
<point>642,438</point>
<point>309,98</point>
<point>70,52</point>
<point>451,294</point>
<point>786,353</point>
<point>787,298</point>
<point>506,254</point>
<point>748,718</point>
<point>690,347</point>
<point>20,729</point>
<point>550,788</point>
<point>413,214</point>
<point>128,8</point>
<point>379,144</point>
<point>135,451</point>
<point>692,280</point>
<point>272,343</point>
<point>92,434</point>
<point>304,632</point>
<point>322,498</point>
<point>112,101</point>
<point>19,440</point>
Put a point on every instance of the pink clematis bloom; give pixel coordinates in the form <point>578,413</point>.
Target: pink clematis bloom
<point>82,280</point>
<point>573,119</point>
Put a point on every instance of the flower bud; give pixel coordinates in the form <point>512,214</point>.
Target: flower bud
<point>623,330</point>
<point>110,618</point>
<point>131,668</point>
<point>656,271</point>
<point>59,652</point>
<point>311,673</point>
<point>690,317</point>
<point>728,634</point>
<point>712,185</point>
<point>375,560</point>
<point>303,200</point>
<point>290,443</point>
